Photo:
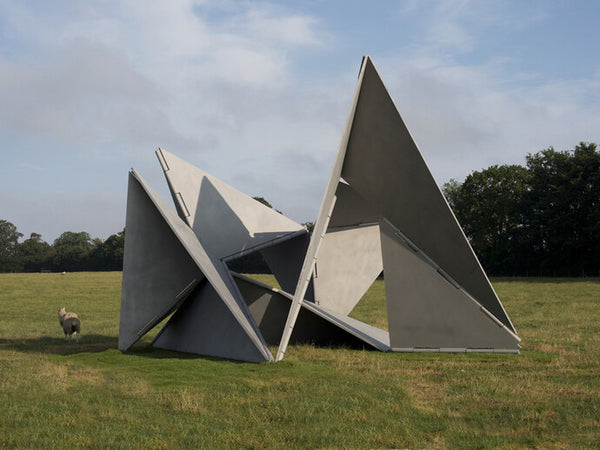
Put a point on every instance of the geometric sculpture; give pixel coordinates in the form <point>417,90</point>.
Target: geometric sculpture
<point>166,267</point>
<point>175,267</point>
<point>382,210</point>
<point>437,294</point>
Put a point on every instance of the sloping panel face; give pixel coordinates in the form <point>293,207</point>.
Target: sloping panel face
<point>285,261</point>
<point>156,267</point>
<point>351,209</point>
<point>385,167</point>
<point>205,326</point>
<point>227,221</point>
<point>270,309</point>
<point>348,263</point>
<point>215,271</point>
<point>426,311</point>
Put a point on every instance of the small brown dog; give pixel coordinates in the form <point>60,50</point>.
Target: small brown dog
<point>70,323</point>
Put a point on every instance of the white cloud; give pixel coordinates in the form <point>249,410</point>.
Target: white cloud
<point>222,84</point>
<point>274,26</point>
<point>115,81</point>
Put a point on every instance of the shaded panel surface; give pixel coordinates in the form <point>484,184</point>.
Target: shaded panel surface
<point>285,261</point>
<point>270,309</point>
<point>204,325</point>
<point>425,310</point>
<point>156,267</point>
<point>227,221</point>
<point>383,164</point>
<point>213,269</point>
<point>351,209</point>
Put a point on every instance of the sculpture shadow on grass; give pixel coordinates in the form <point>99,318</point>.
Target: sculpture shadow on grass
<point>90,343</point>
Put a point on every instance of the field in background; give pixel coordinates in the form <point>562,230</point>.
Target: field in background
<point>54,394</point>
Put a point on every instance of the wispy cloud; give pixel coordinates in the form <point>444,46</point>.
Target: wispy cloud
<point>92,88</point>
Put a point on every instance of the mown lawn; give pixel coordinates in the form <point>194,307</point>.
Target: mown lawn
<point>89,395</point>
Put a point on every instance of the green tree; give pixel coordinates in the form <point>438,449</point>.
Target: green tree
<point>451,190</point>
<point>563,206</point>
<point>263,201</point>
<point>72,250</point>
<point>9,240</point>
<point>108,255</point>
<point>489,207</point>
<point>266,203</point>
<point>35,254</point>
<point>310,226</point>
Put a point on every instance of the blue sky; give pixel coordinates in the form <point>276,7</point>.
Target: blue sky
<point>257,93</point>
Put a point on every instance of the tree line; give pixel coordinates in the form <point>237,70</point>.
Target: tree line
<point>541,219</point>
<point>70,252</point>
<point>77,252</point>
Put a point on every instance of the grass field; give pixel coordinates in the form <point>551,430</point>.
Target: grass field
<point>89,395</point>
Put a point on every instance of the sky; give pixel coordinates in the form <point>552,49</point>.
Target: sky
<point>257,93</point>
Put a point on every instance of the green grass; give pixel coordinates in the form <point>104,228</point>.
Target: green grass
<point>89,395</point>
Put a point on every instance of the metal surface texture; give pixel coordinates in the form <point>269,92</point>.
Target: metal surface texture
<point>349,261</point>
<point>156,267</point>
<point>205,326</point>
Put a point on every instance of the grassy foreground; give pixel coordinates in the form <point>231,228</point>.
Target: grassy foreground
<point>54,394</point>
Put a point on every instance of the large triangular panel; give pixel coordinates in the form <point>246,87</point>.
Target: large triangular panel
<point>379,174</point>
<point>156,268</point>
<point>225,220</point>
<point>199,262</point>
<point>383,164</point>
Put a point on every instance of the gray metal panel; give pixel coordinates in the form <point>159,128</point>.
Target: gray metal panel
<point>351,209</point>
<point>425,310</point>
<point>377,337</point>
<point>383,164</point>
<point>270,307</point>
<point>349,261</point>
<point>227,221</point>
<point>213,269</point>
<point>285,261</point>
<point>156,268</point>
<point>204,325</point>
